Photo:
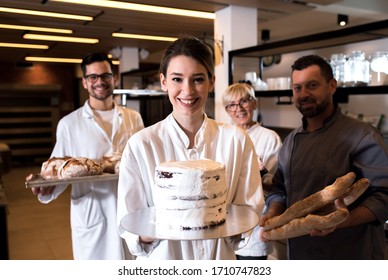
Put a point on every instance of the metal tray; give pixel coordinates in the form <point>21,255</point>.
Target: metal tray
<point>40,182</point>
<point>239,219</point>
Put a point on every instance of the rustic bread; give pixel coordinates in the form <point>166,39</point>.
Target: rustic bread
<point>109,163</point>
<point>78,167</point>
<point>305,225</point>
<point>49,169</point>
<point>323,213</point>
<point>313,202</point>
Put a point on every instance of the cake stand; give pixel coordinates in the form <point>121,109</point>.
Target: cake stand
<point>239,219</point>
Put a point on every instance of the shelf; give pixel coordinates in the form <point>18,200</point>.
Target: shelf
<point>28,120</point>
<point>359,33</point>
<point>366,32</point>
<point>340,90</point>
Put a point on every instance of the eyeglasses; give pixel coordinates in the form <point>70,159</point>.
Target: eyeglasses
<point>244,102</point>
<point>92,78</point>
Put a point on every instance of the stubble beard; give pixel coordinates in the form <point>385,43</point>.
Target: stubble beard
<point>313,111</point>
<point>103,97</point>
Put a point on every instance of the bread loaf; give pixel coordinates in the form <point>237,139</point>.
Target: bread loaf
<point>324,217</point>
<point>313,202</point>
<point>356,190</point>
<point>49,169</point>
<point>78,167</point>
<point>108,163</point>
<point>305,225</point>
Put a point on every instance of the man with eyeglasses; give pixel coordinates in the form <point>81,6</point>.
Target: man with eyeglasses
<point>99,128</point>
<point>240,103</point>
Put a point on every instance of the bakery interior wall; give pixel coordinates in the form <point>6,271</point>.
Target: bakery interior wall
<point>33,97</point>
<point>287,116</point>
<point>42,75</point>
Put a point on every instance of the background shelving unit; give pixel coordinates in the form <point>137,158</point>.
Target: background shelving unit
<point>371,31</point>
<point>28,120</point>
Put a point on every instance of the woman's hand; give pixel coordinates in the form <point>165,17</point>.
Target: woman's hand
<point>146,239</point>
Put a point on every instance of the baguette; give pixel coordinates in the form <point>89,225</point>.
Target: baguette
<point>327,216</point>
<point>313,202</point>
<point>305,225</point>
<point>356,190</point>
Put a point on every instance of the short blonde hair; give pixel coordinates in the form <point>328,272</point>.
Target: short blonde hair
<point>237,89</point>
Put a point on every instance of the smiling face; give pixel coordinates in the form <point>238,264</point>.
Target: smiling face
<point>240,103</point>
<point>243,116</point>
<point>101,89</point>
<point>188,85</point>
<point>312,92</point>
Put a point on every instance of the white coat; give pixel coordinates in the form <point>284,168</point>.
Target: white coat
<point>166,141</point>
<point>94,205</point>
<point>267,144</point>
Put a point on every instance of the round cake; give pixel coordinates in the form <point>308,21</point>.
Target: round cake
<point>190,194</point>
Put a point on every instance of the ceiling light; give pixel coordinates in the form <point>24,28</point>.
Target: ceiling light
<point>23,46</point>
<point>35,28</point>
<point>342,20</point>
<point>45,14</point>
<point>142,8</point>
<point>59,60</point>
<point>60,38</point>
<point>53,59</point>
<point>143,37</point>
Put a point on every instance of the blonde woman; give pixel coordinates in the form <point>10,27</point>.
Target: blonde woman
<point>240,103</point>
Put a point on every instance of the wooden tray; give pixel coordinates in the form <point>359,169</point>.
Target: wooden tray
<point>40,182</point>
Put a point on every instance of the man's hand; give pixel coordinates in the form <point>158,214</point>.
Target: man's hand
<point>339,203</point>
<point>274,209</point>
<point>40,190</point>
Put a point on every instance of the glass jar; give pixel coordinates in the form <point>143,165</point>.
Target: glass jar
<point>356,69</point>
<point>379,68</point>
<point>337,62</point>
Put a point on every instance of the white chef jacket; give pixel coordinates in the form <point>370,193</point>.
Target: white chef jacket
<point>267,144</point>
<point>166,141</point>
<point>94,204</point>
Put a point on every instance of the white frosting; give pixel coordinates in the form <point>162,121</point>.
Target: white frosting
<point>190,194</point>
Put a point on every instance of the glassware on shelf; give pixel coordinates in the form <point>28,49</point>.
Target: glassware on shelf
<point>356,69</point>
<point>379,68</point>
<point>337,62</point>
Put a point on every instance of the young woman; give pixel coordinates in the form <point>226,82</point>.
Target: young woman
<point>187,75</point>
